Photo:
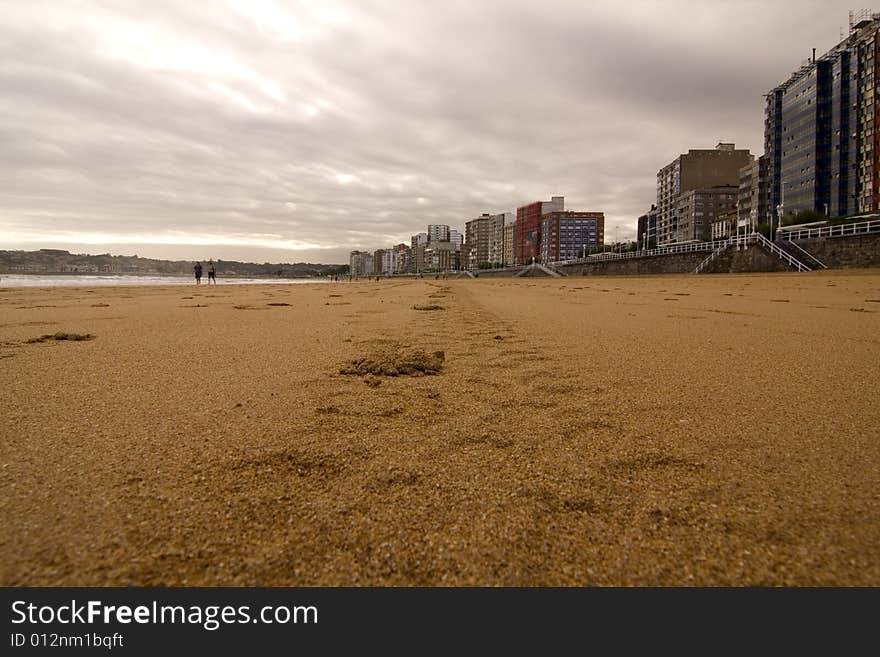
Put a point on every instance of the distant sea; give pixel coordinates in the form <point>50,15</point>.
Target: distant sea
<point>96,280</point>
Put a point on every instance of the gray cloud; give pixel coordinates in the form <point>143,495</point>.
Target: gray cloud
<point>298,131</point>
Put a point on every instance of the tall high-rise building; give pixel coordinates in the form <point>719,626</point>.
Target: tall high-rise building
<point>820,136</point>
<point>696,169</point>
<point>752,196</point>
<point>378,260</point>
<point>496,238</point>
<point>403,259</point>
<point>389,261</point>
<point>360,263</point>
<point>507,249</point>
<point>419,239</point>
<point>465,259</point>
<point>485,235</point>
<point>527,234</point>
<point>438,233</point>
<point>646,229</point>
<point>418,258</point>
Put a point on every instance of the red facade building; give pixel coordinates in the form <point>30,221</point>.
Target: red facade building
<point>527,234</point>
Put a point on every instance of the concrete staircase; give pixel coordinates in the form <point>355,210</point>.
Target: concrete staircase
<point>537,269</point>
<point>786,255</point>
<point>712,257</point>
<point>796,250</point>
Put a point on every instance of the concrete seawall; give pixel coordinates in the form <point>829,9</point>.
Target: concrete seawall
<point>750,259</point>
<point>679,263</point>
<point>856,251</point>
<point>852,251</point>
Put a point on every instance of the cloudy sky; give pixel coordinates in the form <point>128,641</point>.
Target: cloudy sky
<point>298,131</point>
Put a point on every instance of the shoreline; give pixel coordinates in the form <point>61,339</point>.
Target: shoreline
<point>134,280</point>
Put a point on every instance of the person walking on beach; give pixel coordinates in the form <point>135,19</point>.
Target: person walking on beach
<point>198,272</point>
<point>212,274</point>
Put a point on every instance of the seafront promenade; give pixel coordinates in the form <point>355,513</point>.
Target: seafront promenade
<point>582,430</point>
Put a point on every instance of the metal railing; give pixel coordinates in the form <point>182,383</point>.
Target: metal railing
<point>741,241</point>
<point>719,246</point>
<point>785,256</point>
<point>550,270</point>
<point>840,230</point>
<point>644,253</point>
<point>721,249</point>
<point>808,254</point>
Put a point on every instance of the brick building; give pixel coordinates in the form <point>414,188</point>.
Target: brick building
<point>527,234</point>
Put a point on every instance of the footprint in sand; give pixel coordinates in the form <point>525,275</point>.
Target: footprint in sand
<point>61,336</point>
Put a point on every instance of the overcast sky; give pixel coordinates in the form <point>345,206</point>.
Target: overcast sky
<point>298,131</point>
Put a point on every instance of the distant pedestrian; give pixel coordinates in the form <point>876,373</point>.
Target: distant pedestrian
<point>212,273</point>
<point>198,272</point>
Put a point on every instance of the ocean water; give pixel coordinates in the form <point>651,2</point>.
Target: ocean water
<point>97,280</point>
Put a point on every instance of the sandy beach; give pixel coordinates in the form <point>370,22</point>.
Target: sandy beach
<point>669,430</point>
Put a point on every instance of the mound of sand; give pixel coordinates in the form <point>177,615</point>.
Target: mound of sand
<point>414,362</point>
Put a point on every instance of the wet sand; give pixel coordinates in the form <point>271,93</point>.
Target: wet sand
<point>581,431</point>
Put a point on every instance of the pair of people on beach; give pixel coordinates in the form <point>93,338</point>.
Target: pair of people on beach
<point>212,274</point>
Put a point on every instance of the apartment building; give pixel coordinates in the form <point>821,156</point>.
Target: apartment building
<point>696,169</point>
<point>507,248</point>
<point>438,233</point>
<point>457,239</point>
<point>646,229</point>
<point>360,263</point>
<point>527,234</point>
<point>417,254</point>
<point>697,209</point>
<point>570,235</point>
<point>378,261</point>
<point>485,235</point>
<point>752,207</point>
<point>820,134</point>
<point>403,259</point>
<point>441,256</point>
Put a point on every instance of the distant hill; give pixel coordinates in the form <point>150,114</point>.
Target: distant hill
<point>57,261</point>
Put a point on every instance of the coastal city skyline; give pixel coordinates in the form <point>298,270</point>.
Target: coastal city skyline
<point>328,296</point>
<point>311,153</point>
